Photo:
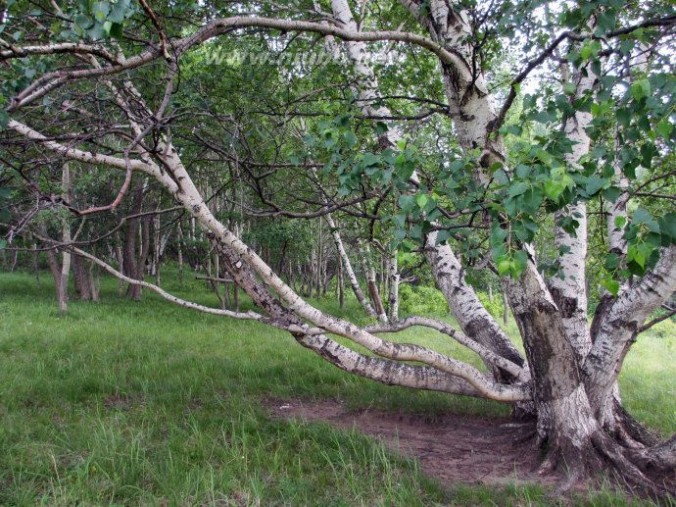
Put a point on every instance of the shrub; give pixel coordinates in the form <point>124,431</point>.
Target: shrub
<point>422,300</point>
<point>495,306</point>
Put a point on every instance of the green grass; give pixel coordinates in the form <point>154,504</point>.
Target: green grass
<point>122,403</point>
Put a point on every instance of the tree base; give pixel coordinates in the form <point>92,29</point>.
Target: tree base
<point>649,471</point>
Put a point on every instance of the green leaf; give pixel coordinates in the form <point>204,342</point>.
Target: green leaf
<point>643,217</point>
<point>523,171</point>
<point>350,139</point>
<point>518,188</point>
<point>544,117</point>
<point>664,128</point>
<point>83,21</point>
<point>532,199</point>
<point>119,11</point>
<point>569,88</point>
<point>370,159</point>
<point>594,184</point>
<point>623,116</point>
<point>442,236</point>
<point>640,89</point>
<point>667,225</point>
<point>544,157</point>
<point>612,286</point>
<point>520,261</point>
<point>407,202</point>
<point>100,11</point>
<point>422,200</point>
<point>612,261</point>
<point>505,267</point>
<point>381,128</point>
<point>498,234</point>
<point>612,193</point>
<point>553,189</point>
<point>590,49</point>
<point>635,256</point>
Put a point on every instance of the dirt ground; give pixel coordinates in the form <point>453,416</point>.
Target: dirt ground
<point>452,448</point>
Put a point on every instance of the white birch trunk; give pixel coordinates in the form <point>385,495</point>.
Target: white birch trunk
<point>371,282</point>
<point>62,286</point>
<point>617,211</point>
<point>472,316</point>
<point>618,330</point>
<point>479,325</point>
<point>393,297</point>
<point>569,288</point>
<point>347,266</point>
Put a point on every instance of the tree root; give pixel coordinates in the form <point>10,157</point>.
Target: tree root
<point>648,471</point>
<point>627,471</point>
<point>661,457</point>
<point>634,429</point>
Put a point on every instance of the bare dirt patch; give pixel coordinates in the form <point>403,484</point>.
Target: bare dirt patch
<point>453,448</point>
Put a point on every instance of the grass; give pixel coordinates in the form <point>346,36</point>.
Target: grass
<point>122,403</point>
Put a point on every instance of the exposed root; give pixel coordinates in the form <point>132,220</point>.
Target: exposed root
<point>625,470</point>
<point>650,472</point>
<point>661,457</point>
<point>571,463</point>
<point>549,464</point>
<point>570,481</point>
<point>524,411</point>
<point>634,429</point>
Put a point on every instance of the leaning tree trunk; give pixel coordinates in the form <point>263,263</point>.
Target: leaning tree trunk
<point>566,392</point>
<point>466,307</point>
<point>347,265</point>
<point>462,300</point>
<point>371,283</point>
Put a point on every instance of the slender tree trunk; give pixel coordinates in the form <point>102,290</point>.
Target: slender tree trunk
<point>15,260</point>
<point>55,269</point>
<point>393,299</point>
<point>372,285</point>
<point>82,276</point>
<point>133,261</point>
<point>62,286</point>
<point>347,265</point>
<point>180,254</point>
<point>341,284</point>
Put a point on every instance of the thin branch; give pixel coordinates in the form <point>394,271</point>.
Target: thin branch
<point>169,297</point>
<point>52,80</point>
<point>670,313</point>
<point>458,336</point>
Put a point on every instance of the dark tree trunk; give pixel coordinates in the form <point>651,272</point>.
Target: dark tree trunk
<point>134,260</point>
<point>83,276</point>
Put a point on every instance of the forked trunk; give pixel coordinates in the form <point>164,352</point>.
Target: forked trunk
<point>570,425</point>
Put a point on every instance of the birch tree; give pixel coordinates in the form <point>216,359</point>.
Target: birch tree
<point>499,183</point>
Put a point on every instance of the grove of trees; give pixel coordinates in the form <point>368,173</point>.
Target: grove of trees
<point>291,149</point>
